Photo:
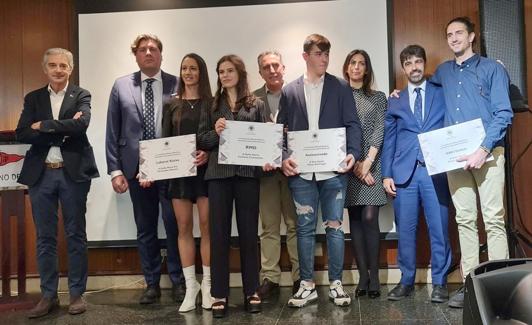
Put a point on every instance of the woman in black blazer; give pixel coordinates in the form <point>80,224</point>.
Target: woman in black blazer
<point>228,183</point>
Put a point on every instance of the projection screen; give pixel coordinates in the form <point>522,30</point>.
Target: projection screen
<point>245,30</point>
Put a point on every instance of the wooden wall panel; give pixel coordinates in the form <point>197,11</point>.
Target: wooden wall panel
<point>423,22</point>
<point>31,26</point>
<point>11,91</point>
<point>521,137</point>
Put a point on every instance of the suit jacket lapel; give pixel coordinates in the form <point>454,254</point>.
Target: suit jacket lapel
<point>429,96</point>
<point>136,89</point>
<point>263,95</point>
<point>169,86</point>
<point>325,91</point>
<point>301,97</point>
<point>225,110</point>
<point>404,98</point>
<point>68,100</point>
<point>47,105</point>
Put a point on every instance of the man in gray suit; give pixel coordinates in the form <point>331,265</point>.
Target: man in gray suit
<point>275,196</point>
<point>135,113</point>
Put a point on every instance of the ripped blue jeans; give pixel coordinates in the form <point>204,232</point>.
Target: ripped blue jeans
<point>329,194</point>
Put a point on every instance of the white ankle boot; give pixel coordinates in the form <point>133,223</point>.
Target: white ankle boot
<point>206,298</point>
<point>193,288</point>
<point>189,303</point>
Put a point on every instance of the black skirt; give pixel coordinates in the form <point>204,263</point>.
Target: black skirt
<point>189,188</point>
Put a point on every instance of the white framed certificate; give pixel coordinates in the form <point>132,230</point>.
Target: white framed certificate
<point>166,158</point>
<point>441,148</point>
<point>251,144</point>
<point>321,150</point>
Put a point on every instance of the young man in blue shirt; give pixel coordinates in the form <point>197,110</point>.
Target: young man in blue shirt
<point>476,87</point>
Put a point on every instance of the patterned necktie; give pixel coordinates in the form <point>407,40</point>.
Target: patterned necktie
<point>149,112</point>
<point>418,107</point>
<point>418,114</point>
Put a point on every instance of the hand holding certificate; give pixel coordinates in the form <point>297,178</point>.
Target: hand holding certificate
<point>167,158</point>
<point>318,150</point>
<point>251,144</point>
<point>442,148</point>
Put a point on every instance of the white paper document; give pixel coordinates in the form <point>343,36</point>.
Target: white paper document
<point>166,158</point>
<point>441,148</point>
<point>251,144</point>
<point>318,150</point>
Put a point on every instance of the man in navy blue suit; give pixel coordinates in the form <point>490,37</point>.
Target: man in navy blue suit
<point>135,113</point>
<point>420,108</point>
<point>318,100</point>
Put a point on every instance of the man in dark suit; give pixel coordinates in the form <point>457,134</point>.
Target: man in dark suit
<point>58,168</point>
<point>318,100</point>
<point>275,198</point>
<point>419,108</point>
<point>135,113</point>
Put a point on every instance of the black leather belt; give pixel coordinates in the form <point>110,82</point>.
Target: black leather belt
<point>421,163</point>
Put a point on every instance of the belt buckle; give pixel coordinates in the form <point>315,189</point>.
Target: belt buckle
<point>54,165</point>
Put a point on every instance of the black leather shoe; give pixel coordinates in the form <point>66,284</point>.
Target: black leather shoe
<point>360,292</point>
<point>150,295</point>
<point>439,294</point>
<point>178,292</point>
<point>255,307</point>
<point>296,286</point>
<point>267,288</point>
<point>373,294</point>
<point>400,291</point>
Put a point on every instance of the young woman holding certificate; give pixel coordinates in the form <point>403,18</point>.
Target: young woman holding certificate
<point>365,192</point>
<point>181,116</point>
<point>232,183</point>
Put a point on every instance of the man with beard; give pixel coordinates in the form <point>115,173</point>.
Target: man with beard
<point>420,108</point>
<point>476,87</point>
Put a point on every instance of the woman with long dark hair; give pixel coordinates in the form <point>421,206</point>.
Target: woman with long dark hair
<point>365,192</point>
<point>181,116</point>
<point>232,183</point>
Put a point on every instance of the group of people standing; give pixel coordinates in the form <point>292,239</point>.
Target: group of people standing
<point>383,157</point>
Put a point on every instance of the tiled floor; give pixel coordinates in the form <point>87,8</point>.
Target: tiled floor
<point>121,307</point>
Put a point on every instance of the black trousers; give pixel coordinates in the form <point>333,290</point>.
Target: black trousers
<point>146,212</point>
<point>244,191</point>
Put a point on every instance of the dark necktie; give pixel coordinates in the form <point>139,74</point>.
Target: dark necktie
<point>418,107</point>
<point>418,114</point>
<point>149,112</point>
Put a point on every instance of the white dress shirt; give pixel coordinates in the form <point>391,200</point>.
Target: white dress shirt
<point>56,100</point>
<point>313,92</point>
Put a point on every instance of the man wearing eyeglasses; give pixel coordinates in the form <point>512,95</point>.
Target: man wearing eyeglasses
<point>318,100</point>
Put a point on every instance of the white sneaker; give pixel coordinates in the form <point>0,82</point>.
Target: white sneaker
<point>189,303</point>
<point>305,295</point>
<point>338,295</point>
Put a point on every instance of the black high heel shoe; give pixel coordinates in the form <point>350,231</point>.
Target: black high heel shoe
<point>360,292</point>
<point>217,311</point>
<point>255,307</point>
<point>373,294</point>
